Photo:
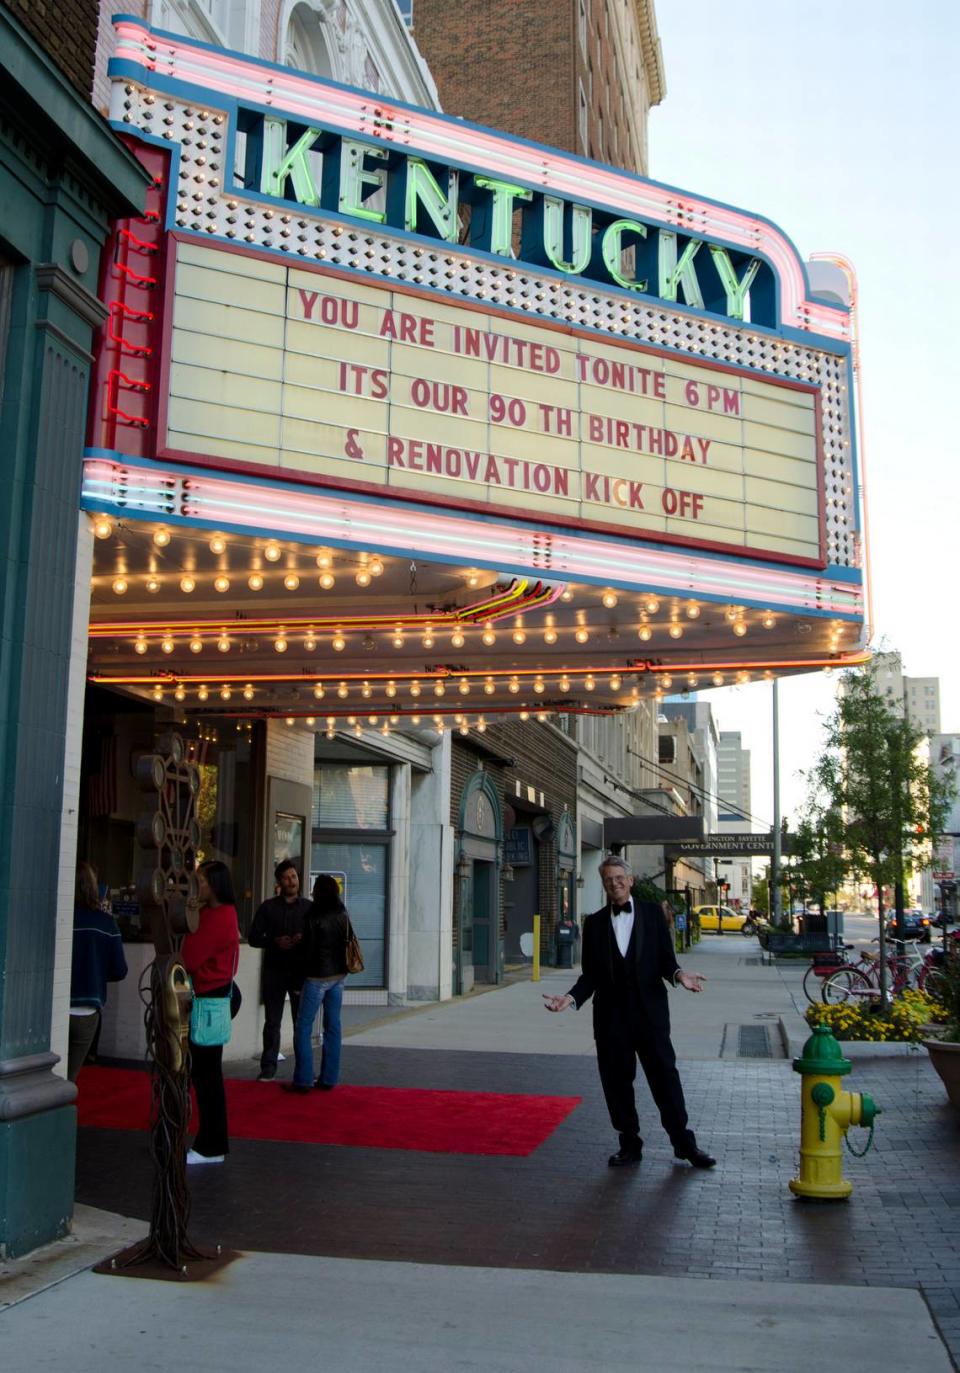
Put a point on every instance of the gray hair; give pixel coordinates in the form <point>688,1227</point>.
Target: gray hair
<point>613,860</point>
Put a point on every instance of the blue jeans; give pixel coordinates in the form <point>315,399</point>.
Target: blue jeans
<point>329,995</point>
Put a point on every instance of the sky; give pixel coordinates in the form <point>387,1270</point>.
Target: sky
<point>839,121</point>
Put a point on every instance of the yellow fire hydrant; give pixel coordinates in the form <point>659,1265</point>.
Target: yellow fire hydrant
<point>826,1115</point>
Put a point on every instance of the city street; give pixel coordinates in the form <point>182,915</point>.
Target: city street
<point>445,1250</point>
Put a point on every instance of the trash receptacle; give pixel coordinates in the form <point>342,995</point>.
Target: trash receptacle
<point>566,933</point>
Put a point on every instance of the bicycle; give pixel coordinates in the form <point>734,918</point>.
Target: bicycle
<point>823,966</point>
<point>861,980</point>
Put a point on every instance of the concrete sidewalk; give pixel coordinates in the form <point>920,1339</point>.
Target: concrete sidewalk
<point>368,1258</point>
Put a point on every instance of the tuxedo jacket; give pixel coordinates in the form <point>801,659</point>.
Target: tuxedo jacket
<point>653,965</point>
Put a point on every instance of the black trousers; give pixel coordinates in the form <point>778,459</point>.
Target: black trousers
<point>275,985</point>
<point>620,1045</point>
<point>206,1074</point>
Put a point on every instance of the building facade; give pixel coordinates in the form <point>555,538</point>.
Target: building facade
<point>733,791</point>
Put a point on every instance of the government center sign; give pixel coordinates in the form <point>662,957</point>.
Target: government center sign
<point>346,309</point>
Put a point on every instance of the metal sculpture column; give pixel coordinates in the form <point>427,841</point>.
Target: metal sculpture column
<point>168,835</point>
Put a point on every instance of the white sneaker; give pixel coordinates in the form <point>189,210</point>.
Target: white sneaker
<point>194,1157</point>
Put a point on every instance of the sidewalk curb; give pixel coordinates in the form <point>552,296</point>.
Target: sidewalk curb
<point>852,1048</point>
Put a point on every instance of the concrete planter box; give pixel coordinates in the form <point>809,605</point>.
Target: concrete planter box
<point>945,1058</point>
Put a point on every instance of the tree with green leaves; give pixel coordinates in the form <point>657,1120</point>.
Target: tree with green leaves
<point>889,804</point>
<point>819,861</point>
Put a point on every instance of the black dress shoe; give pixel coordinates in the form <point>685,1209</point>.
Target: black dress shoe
<point>697,1157</point>
<point>324,1086</point>
<point>266,1074</point>
<point>297,1087</point>
<point>626,1156</point>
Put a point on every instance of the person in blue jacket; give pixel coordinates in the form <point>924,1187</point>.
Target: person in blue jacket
<point>97,959</point>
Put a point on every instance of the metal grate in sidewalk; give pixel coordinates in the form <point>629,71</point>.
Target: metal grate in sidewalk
<point>753,1042</point>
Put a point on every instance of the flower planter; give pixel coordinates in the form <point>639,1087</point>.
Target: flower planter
<point>945,1058</point>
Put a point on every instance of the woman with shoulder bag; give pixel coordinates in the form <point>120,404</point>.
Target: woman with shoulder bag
<point>211,956</point>
<point>326,934</point>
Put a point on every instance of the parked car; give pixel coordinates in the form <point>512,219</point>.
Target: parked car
<point>916,925</point>
<point>710,918</point>
<point>937,920</point>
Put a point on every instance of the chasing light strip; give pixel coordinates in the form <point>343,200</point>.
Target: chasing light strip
<point>159,493</point>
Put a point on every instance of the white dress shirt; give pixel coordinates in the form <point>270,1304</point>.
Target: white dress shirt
<point>623,928</point>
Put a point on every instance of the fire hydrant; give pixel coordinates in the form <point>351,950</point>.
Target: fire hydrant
<point>826,1115</point>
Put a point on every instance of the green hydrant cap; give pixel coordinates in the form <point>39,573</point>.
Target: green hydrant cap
<point>869,1110</point>
<point>822,1055</point>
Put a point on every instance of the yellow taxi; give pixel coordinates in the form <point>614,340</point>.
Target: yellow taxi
<point>710,918</point>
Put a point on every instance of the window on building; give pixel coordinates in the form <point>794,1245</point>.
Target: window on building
<point>582,119</point>
<point>406,11</point>
<point>582,23</point>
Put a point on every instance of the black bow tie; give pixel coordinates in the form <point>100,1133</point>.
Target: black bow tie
<point>620,910</point>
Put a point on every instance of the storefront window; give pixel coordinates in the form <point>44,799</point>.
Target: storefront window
<point>351,797</point>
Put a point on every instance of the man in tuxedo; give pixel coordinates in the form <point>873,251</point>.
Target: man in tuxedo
<point>626,962</point>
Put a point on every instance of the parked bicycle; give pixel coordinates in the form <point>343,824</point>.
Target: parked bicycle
<point>860,980</point>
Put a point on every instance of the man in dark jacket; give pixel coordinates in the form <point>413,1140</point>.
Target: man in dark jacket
<point>278,929</point>
<point>627,962</point>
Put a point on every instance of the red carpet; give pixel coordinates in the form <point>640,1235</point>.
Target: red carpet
<point>367,1117</point>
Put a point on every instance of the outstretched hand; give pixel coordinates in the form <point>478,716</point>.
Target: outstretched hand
<point>692,981</point>
<point>557,1003</point>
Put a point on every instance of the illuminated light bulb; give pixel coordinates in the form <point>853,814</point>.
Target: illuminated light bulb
<point>464,687</point>
<point>456,639</point>
<point>464,728</point>
<point>272,552</point>
<point>513,686</point>
<point>481,726</point>
<point>414,719</point>
<point>196,644</point>
<point>158,693</point>
<point>439,689</point>
<point>743,677</point>
<point>768,621</point>
<point>166,643</point>
<point>140,645</point>
<point>692,679</point>
<point>318,691</point>
<point>291,581</point>
<point>488,637</point>
<point>717,679</point>
<point>524,715</point>
<point>414,688</point>
<point>223,644</point>
<point>489,686</point>
<point>675,631</point>
<point>255,582</point>
<point>550,636</point>
<point>582,635</point>
<point>616,682</point>
<point>153,585</point>
<point>427,639</point>
<point>666,680</point>
<point>225,693</point>
<point>538,685</point>
<point>324,560</point>
<point>589,682</point>
<point>180,692</point>
<point>327,580</point>
<point>161,537</point>
<point>120,586</point>
<point>202,693</point>
<point>652,605</point>
<point>566,595</point>
<point>372,719</point>
<point>473,579</point>
<point>459,719</point>
<point>221,584</point>
<point>542,716</point>
<point>519,636</point>
<point>357,731</point>
<point>390,690</point>
<point>248,692</point>
<point>693,610</point>
<point>376,567</point>
<point>343,691</point>
<point>740,628</point>
<point>828,672</point>
<point>394,719</point>
<point>564,683</point>
<point>351,719</point>
<point>310,643</point>
<point>732,613</point>
<point>187,584</point>
<point>362,577</point>
<point>645,633</point>
<point>366,691</point>
<point>398,637</point>
<point>609,599</point>
<point>338,643</point>
<point>102,527</point>
<point>218,544</point>
<point>311,720</point>
<point>280,645</point>
<point>290,720</point>
<point>438,723</point>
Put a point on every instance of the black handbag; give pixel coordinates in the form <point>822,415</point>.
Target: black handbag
<point>236,1000</point>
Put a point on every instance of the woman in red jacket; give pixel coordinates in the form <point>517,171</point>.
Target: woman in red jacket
<point>210,956</point>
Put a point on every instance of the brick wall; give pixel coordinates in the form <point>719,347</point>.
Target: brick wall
<point>67,32</point>
<point>505,64</point>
